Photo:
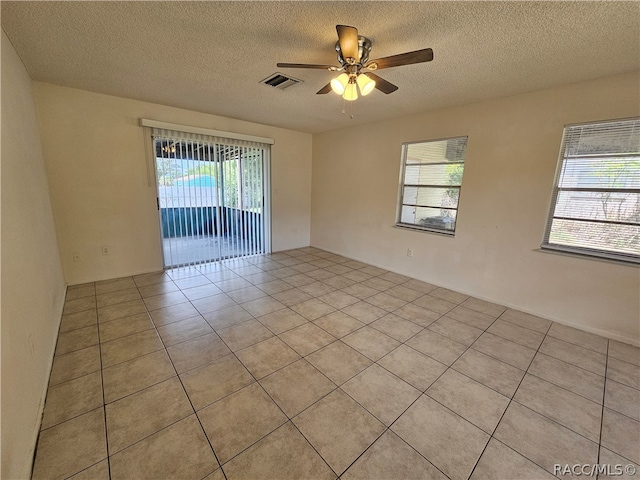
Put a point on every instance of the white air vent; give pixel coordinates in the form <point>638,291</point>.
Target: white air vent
<point>280,81</point>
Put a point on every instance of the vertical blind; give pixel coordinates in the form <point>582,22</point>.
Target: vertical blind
<point>430,184</point>
<point>212,196</point>
<point>595,206</point>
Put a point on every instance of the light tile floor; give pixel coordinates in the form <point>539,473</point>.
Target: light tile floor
<point>305,364</point>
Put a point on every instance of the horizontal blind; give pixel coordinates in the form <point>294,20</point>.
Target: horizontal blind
<point>430,184</point>
<point>595,205</point>
<point>211,196</point>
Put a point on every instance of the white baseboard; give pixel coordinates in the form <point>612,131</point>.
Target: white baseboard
<point>43,396</point>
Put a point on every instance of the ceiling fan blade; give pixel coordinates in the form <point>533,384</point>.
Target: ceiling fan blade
<point>325,89</point>
<point>348,39</point>
<point>305,65</point>
<point>419,56</point>
<point>381,83</point>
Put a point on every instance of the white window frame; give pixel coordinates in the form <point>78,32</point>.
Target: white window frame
<point>402,185</point>
<point>595,251</point>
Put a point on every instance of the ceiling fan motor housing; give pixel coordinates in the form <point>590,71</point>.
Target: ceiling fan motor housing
<point>364,48</point>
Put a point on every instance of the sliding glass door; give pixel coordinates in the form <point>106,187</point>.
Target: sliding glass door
<point>211,197</point>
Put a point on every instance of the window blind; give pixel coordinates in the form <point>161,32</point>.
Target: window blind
<point>213,196</point>
<point>595,205</point>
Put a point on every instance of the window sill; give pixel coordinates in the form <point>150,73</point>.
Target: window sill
<point>425,230</point>
<point>588,256</point>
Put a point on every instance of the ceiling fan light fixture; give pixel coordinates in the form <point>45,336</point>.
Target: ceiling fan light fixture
<point>350,92</point>
<point>366,84</point>
<point>339,84</point>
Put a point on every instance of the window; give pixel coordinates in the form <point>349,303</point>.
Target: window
<point>430,184</point>
<point>595,207</point>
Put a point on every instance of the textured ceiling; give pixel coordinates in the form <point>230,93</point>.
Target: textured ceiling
<point>210,56</point>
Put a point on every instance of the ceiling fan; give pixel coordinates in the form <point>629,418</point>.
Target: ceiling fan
<point>353,56</point>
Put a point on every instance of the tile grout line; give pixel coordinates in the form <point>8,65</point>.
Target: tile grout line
<point>185,393</point>
<point>104,402</point>
<point>559,360</point>
<point>388,427</point>
<point>290,419</point>
<point>269,395</point>
<point>254,381</point>
<point>61,383</point>
<point>562,387</point>
<point>492,436</point>
<point>449,367</point>
<point>157,383</point>
<point>556,422</point>
<point>147,387</point>
<point>626,363</point>
<point>604,395</point>
<point>423,392</point>
<point>550,356</point>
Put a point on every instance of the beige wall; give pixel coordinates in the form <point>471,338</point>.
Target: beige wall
<point>96,161</point>
<point>511,160</point>
<point>32,283</point>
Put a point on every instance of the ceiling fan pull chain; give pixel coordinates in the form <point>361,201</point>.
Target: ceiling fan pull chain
<point>344,108</point>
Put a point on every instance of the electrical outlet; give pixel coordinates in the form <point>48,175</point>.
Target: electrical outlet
<point>77,257</point>
<point>106,250</point>
<point>409,252</point>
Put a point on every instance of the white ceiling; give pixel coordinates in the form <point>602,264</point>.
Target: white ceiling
<point>210,56</point>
